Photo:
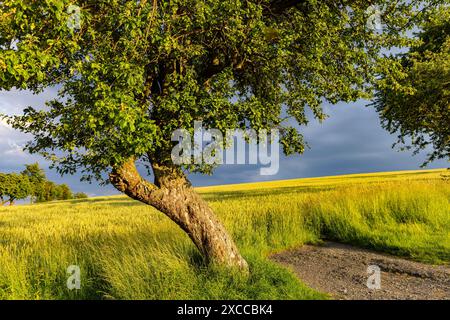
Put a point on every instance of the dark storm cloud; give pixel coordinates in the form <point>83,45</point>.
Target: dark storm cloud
<point>13,159</point>
<point>349,141</point>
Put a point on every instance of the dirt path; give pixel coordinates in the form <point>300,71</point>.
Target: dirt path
<point>342,271</point>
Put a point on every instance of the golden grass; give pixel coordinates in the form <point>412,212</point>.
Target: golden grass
<point>127,250</point>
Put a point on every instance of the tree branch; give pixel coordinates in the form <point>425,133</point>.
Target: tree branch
<point>127,179</point>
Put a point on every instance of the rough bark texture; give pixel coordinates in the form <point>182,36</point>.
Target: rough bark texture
<point>172,194</point>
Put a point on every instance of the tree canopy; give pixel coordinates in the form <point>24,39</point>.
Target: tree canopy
<point>35,173</point>
<point>414,101</point>
<point>37,178</point>
<point>33,183</point>
<point>14,187</point>
<point>135,71</point>
<point>3,188</point>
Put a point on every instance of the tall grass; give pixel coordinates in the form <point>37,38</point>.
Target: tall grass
<point>130,251</point>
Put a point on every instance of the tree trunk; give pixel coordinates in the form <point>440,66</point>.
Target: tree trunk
<point>173,195</point>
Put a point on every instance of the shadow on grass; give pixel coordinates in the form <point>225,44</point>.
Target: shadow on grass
<point>236,195</point>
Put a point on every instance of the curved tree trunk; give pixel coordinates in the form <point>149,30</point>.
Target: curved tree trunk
<point>173,195</point>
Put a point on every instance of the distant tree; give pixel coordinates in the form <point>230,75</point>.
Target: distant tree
<point>80,195</point>
<point>31,182</point>
<point>4,187</point>
<point>414,94</point>
<point>53,191</point>
<point>64,192</point>
<point>35,173</point>
<point>18,187</point>
<point>48,193</point>
<point>37,178</point>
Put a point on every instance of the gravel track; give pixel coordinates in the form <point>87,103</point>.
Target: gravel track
<point>342,271</point>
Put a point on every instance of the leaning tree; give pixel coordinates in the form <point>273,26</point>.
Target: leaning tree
<point>130,73</point>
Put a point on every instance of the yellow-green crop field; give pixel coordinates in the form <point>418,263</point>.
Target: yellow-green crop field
<point>126,250</point>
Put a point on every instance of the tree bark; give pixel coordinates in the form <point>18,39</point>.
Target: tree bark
<point>173,195</point>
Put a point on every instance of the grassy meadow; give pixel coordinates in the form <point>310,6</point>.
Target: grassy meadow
<point>127,250</point>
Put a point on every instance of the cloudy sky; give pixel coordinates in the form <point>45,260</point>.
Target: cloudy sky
<point>349,141</point>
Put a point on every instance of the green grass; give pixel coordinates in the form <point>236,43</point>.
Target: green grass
<point>127,250</point>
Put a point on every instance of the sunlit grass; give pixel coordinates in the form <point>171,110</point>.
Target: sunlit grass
<point>127,250</point>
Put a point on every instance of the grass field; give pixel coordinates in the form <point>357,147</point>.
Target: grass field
<point>129,251</point>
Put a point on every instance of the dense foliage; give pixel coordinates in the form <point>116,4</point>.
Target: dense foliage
<point>37,178</point>
<point>33,183</point>
<point>414,101</point>
<point>14,187</point>
<point>134,71</point>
